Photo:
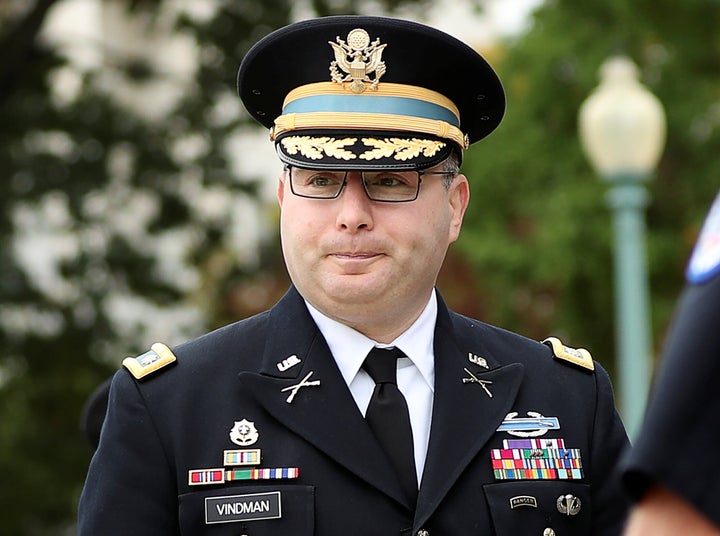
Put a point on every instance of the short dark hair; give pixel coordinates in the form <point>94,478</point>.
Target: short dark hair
<point>452,165</point>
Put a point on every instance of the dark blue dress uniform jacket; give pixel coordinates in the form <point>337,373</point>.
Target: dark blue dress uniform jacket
<point>179,419</point>
<point>676,444</point>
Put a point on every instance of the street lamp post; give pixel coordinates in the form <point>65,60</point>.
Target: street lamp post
<point>622,130</point>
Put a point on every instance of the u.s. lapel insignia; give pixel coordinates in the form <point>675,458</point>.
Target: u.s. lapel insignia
<point>534,425</point>
<point>480,361</point>
<point>244,433</point>
<point>288,362</point>
<point>295,388</point>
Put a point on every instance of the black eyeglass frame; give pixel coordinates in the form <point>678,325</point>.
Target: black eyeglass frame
<point>420,173</point>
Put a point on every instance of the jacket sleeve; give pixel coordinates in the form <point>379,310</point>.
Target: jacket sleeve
<point>675,446</point>
<point>609,441</point>
<point>130,486</point>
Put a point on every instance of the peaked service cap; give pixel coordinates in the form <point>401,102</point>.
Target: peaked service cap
<point>361,92</point>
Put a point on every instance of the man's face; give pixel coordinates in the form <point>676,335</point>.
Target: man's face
<point>366,263</point>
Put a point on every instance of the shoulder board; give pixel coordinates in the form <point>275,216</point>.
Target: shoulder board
<point>159,356</point>
<point>577,356</point>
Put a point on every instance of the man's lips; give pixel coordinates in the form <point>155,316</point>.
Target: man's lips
<point>358,255</point>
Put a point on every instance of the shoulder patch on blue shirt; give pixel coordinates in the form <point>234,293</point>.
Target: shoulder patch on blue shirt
<point>705,260</point>
<point>579,357</point>
<point>158,357</point>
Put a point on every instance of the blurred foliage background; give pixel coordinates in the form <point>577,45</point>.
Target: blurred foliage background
<point>127,218</point>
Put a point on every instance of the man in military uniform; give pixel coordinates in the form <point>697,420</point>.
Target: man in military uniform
<point>672,471</point>
<point>279,424</point>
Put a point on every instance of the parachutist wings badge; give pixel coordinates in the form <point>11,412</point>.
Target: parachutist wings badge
<point>357,58</point>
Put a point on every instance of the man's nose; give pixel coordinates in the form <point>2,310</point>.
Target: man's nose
<point>355,210</point>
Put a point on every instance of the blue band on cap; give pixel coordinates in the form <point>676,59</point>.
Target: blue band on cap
<point>375,104</point>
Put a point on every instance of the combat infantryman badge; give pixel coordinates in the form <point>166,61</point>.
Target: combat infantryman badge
<point>244,433</point>
<point>534,425</point>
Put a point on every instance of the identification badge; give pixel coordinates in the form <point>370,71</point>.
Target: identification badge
<point>233,508</point>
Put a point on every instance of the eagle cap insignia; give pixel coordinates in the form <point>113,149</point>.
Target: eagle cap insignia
<point>356,59</point>
<point>244,433</point>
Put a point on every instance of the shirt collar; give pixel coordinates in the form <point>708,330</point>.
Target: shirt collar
<point>350,347</point>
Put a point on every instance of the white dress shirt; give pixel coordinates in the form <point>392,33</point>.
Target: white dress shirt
<point>416,372</point>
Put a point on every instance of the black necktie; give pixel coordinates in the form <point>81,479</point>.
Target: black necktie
<point>388,417</point>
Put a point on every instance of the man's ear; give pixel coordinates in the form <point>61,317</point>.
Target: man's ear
<point>281,187</point>
<point>459,198</point>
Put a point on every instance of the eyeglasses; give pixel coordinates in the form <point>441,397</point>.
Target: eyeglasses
<point>384,186</point>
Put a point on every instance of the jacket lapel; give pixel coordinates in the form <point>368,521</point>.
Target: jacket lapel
<point>464,416</point>
<point>324,414</point>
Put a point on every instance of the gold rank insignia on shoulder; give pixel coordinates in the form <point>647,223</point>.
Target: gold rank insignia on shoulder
<point>577,356</point>
<point>157,357</point>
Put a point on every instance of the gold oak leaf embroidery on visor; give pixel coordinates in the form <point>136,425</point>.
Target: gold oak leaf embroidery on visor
<point>314,148</point>
<point>400,149</point>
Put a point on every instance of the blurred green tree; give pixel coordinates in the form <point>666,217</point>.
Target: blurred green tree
<point>122,217</point>
<point>538,237</point>
<point>96,192</point>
